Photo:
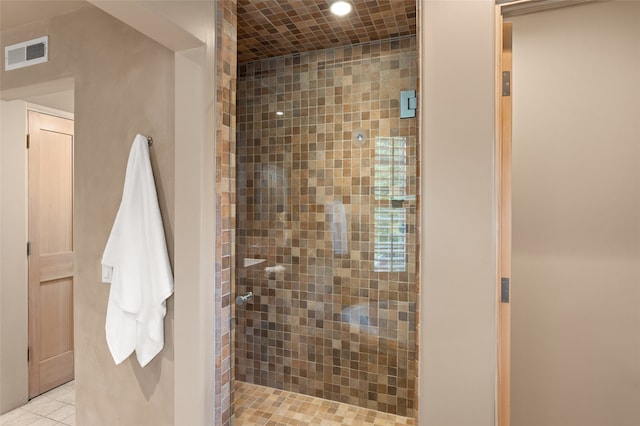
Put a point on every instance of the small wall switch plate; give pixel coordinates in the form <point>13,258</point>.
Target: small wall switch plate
<point>107,274</point>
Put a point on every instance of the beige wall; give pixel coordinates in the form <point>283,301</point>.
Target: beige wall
<point>195,232</point>
<point>458,261</point>
<point>13,259</point>
<point>181,25</point>
<point>124,84</point>
<point>576,217</point>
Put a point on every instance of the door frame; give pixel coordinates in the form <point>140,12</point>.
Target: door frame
<point>503,186</point>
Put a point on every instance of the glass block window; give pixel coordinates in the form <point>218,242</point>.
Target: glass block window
<point>390,239</point>
<point>390,170</point>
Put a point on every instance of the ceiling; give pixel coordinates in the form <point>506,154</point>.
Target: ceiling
<point>268,28</point>
<point>14,13</point>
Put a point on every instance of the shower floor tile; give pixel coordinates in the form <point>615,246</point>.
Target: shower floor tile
<point>261,405</point>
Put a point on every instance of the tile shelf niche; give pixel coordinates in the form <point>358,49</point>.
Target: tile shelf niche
<point>251,262</point>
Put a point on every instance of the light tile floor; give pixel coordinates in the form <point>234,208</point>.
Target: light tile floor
<point>54,408</point>
<point>260,405</point>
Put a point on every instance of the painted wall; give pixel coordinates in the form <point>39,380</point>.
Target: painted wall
<point>13,259</point>
<point>576,217</point>
<point>124,84</point>
<point>194,236</point>
<point>189,29</point>
<point>458,231</point>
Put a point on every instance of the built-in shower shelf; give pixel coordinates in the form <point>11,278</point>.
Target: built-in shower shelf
<point>250,262</point>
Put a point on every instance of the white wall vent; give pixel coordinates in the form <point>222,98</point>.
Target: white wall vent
<point>26,53</point>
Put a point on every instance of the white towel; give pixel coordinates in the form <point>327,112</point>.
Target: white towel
<point>136,262</point>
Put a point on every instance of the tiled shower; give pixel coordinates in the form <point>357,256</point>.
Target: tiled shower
<point>326,215</point>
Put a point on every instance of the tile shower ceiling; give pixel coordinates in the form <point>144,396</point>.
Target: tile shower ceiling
<point>269,28</point>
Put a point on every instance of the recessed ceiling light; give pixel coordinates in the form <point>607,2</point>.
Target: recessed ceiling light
<point>341,8</point>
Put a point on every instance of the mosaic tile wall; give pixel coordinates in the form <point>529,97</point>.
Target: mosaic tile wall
<point>268,28</point>
<point>226,57</point>
<point>326,225</point>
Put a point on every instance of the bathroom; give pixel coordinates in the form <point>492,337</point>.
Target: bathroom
<point>368,318</point>
<point>161,67</point>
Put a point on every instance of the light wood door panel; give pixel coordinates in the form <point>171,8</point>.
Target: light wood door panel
<point>51,350</point>
<point>58,310</point>
<point>56,266</point>
<point>56,202</point>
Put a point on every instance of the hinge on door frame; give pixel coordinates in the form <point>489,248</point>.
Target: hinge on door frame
<point>506,83</point>
<point>408,103</point>
<point>28,353</point>
<point>28,140</point>
<point>504,290</point>
<point>28,248</point>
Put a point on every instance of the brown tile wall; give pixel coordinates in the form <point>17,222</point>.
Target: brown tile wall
<point>322,322</point>
<point>268,28</point>
<point>226,33</point>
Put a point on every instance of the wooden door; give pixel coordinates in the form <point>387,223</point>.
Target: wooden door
<point>504,220</point>
<point>50,149</point>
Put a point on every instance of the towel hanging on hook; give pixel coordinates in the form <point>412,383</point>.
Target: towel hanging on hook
<point>136,263</point>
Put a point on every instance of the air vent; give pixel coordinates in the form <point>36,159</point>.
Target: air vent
<point>26,53</point>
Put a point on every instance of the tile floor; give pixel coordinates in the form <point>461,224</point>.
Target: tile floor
<point>54,408</point>
<point>260,405</point>
<point>255,405</point>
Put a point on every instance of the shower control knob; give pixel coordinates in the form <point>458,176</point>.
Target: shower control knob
<point>240,300</point>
